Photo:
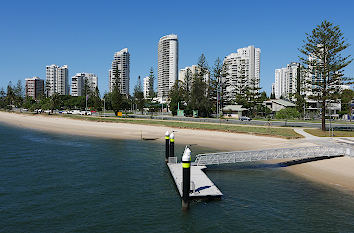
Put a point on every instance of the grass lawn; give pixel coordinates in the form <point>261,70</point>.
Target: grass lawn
<point>258,130</point>
<point>320,133</point>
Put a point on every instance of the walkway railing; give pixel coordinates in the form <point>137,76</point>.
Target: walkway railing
<point>270,154</point>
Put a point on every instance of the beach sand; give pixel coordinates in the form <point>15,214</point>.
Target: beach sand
<point>338,172</point>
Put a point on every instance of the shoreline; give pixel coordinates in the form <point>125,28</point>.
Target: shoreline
<point>337,172</point>
<point>221,141</point>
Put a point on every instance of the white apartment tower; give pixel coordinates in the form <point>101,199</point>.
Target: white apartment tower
<point>286,78</point>
<point>119,74</point>
<point>167,70</point>
<point>78,83</point>
<point>147,87</point>
<point>57,80</point>
<point>243,70</point>
<point>193,71</point>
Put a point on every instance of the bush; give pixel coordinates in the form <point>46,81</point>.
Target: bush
<point>287,113</point>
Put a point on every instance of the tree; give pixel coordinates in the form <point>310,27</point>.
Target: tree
<point>19,93</point>
<point>10,95</point>
<point>55,102</point>
<point>2,98</point>
<point>216,87</point>
<point>253,96</point>
<point>176,96</point>
<point>139,96</point>
<point>346,97</point>
<point>287,113</point>
<point>108,100</point>
<point>151,83</point>
<point>28,102</point>
<point>116,99</point>
<point>199,96</point>
<point>95,100</point>
<point>324,61</point>
<point>47,87</point>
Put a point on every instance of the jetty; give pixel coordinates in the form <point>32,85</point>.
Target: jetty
<point>192,183</point>
<point>201,187</point>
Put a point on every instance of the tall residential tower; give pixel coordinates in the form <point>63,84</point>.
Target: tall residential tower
<point>34,87</point>
<point>167,70</point>
<point>243,71</point>
<point>119,74</point>
<point>78,83</point>
<point>57,80</point>
<point>285,85</point>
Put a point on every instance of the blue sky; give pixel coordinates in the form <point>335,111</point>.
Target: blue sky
<point>84,35</point>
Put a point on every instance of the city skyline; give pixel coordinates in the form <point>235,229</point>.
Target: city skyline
<point>28,39</point>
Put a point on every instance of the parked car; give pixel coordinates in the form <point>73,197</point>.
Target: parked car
<point>244,118</point>
<point>75,112</point>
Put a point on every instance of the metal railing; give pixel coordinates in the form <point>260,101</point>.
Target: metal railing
<point>270,154</point>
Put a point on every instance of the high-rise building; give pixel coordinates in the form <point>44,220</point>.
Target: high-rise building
<point>167,71</point>
<point>286,80</point>
<point>243,71</point>
<point>193,71</point>
<point>120,72</point>
<point>78,83</point>
<point>57,80</point>
<point>147,87</point>
<point>34,87</point>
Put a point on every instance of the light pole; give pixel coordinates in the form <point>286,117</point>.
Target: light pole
<point>217,101</point>
<point>86,99</point>
<point>304,109</point>
<point>104,107</point>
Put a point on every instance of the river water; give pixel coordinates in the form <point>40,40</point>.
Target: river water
<point>61,183</point>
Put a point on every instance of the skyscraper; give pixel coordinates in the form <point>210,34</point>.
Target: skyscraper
<point>147,87</point>
<point>285,84</point>
<point>167,70</point>
<point>78,83</point>
<point>243,71</point>
<point>34,87</point>
<point>57,80</point>
<point>193,71</point>
<point>120,72</point>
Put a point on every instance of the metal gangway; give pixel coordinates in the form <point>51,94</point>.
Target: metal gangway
<point>270,154</point>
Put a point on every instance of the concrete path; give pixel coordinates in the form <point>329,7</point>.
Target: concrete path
<point>306,135</point>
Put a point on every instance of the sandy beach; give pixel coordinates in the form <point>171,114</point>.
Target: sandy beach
<point>338,172</point>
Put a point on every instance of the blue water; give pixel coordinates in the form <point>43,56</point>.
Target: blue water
<point>61,183</point>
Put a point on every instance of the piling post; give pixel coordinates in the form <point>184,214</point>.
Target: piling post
<point>172,145</point>
<point>186,177</point>
<point>167,146</point>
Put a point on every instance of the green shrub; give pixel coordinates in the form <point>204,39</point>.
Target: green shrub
<point>288,113</point>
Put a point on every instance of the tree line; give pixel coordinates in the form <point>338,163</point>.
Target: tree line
<point>205,91</point>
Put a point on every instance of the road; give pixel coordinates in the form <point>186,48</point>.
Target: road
<point>252,122</point>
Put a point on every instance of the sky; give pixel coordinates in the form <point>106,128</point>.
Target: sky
<point>85,34</point>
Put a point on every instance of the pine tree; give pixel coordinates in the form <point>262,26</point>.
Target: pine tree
<point>151,83</point>
<point>216,87</point>
<point>199,96</point>
<point>176,96</point>
<point>324,46</point>
<point>139,96</point>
